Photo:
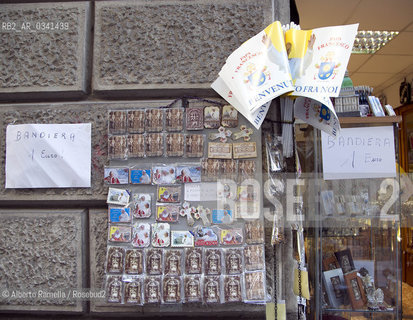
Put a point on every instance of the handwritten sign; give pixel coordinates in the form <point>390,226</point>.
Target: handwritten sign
<point>48,155</point>
<point>366,152</point>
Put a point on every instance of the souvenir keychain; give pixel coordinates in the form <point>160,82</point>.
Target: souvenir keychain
<point>203,214</point>
<point>223,135</point>
<point>187,211</point>
<point>244,133</point>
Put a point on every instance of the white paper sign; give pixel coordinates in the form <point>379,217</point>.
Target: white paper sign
<point>355,153</point>
<point>48,155</point>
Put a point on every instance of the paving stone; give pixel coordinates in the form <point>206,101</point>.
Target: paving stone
<point>41,259</point>
<point>44,50</point>
<point>168,44</point>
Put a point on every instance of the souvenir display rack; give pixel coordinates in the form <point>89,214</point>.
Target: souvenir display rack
<point>175,235</point>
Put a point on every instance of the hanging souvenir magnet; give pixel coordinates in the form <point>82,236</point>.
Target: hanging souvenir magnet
<point>244,133</point>
<point>203,214</point>
<point>223,134</point>
<point>187,211</point>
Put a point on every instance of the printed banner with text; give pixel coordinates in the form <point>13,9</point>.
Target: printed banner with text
<point>300,63</point>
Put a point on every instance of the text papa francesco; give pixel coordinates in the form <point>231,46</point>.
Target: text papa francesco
<point>32,135</point>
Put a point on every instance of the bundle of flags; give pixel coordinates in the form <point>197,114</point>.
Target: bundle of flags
<point>307,66</point>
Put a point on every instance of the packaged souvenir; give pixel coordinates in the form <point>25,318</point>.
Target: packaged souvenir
<point>212,261</point>
<point>188,173</point>
<point>152,290</point>
<point>171,289</point>
<point>194,145</point>
<point>141,235</point>
<point>167,212</point>
<point>134,261</point>
<point>243,150</point>
<point>254,232</point>
<point>118,196</point>
<point>229,116</point>
<point>219,150</point>
<point>194,118</point>
<point>174,119</point>
<point>163,174</point>
<point>153,261</point>
<point>222,216</point>
<point>154,145</point>
<point>118,147</point>
<point>136,121</point>
<point>160,234</point>
<point>173,262</point>
<point>223,135</point>
<point>121,234</point>
<point>174,144</point>
<point>141,205</point>
<point>114,290</point>
<point>247,193</point>
<point>233,236</point>
<point>140,176</point>
<point>154,120</point>
<point>182,239</point>
<point>205,236</point>
<point>254,257</point>
<point>212,117</point>
<point>192,288</point>
<point>136,146</point>
<point>169,194</point>
<point>210,169</point>
<point>132,290</point>
<point>115,259</point>
<point>193,260</point>
<point>189,212</point>
<point>117,121</point>
<point>212,289</point>
<point>232,288</point>
<point>233,260</point>
<point>254,286</point>
<point>244,133</point>
<point>229,168</point>
<point>246,169</point>
<point>116,175</point>
<point>119,214</point>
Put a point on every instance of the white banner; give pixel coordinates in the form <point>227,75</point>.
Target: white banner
<point>48,155</point>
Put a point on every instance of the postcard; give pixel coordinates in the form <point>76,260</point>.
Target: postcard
<point>117,214</point>
<point>113,175</point>
<point>188,174</point>
<point>182,239</point>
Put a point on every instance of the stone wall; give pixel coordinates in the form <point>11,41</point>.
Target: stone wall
<point>91,52</point>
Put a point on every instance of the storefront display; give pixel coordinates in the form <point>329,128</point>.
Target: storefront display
<point>168,243</point>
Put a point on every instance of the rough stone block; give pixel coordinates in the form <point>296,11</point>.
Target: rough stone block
<point>44,50</point>
<point>41,259</point>
<point>154,47</point>
<point>82,112</point>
